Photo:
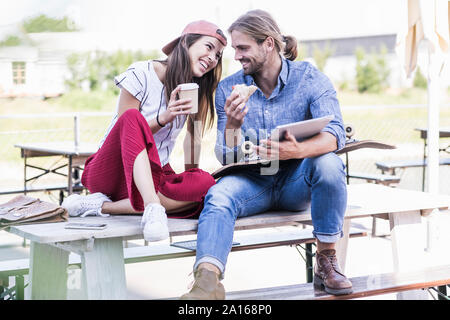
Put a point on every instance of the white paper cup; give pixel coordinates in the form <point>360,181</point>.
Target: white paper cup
<point>190,90</point>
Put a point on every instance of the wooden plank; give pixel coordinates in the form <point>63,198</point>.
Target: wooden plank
<point>364,200</point>
<point>364,286</point>
<point>48,272</point>
<point>389,165</point>
<point>342,245</point>
<point>103,270</point>
<point>408,251</point>
<point>63,148</point>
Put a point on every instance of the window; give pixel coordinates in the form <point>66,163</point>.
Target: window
<point>18,69</point>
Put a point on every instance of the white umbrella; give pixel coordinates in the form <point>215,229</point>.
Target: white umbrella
<point>427,20</point>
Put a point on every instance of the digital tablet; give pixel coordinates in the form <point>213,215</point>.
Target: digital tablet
<point>302,129</point>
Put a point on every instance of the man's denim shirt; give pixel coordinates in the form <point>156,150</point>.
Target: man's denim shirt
<point>302,93</point>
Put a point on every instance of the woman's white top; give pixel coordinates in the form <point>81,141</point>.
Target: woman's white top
<point>142,82</point>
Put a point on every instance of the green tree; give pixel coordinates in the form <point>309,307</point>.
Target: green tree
<point>321,56</point>
<point>98,68</point>
<point>372,71</point>
<point>11,41</point>
<point>43,23</point>
<point>301,52</point>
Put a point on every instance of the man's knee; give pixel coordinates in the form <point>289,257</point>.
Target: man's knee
<point>220,201</point>
<point>328,167</point>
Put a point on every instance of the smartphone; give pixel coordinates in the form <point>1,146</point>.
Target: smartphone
<point>87,226</point>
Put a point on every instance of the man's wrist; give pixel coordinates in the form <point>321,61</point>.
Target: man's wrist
<point>229,125</point>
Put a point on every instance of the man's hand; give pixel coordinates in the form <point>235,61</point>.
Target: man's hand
<point>273,150</point>
<point>235,110</point>
<point>290,148</point>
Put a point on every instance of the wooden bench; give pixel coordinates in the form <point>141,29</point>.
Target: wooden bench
<point>364,286</point>
<point>19,267</point>
<point>102,252</point>
<point>390,166</point>
<point>384,179</point>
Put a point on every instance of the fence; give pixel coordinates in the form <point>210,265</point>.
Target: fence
<point>390,124</point>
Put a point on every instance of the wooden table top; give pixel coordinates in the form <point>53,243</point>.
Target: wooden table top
<point>66,148</point>
<point>363,200</point>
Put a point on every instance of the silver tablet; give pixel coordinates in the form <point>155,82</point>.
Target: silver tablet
<point>302,129</point>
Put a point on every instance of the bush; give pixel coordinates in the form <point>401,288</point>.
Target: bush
<point>419,80</point>
<point>372,71</point>
<point>42,23</point>
<point>98,69</point>
<point>321,56</point>
<point>11,41</point>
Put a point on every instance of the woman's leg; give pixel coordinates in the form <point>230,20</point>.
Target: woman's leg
<point>142,176</point>
<point>124,206</point>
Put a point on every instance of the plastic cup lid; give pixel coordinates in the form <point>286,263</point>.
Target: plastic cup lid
<point>188,86</point>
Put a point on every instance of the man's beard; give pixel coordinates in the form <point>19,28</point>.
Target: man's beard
<point>255,65</point>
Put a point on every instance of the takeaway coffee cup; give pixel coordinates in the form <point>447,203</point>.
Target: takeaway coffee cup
<point>190,90</point>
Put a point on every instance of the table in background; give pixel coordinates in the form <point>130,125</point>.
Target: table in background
<point>76,155</point>
<point>443,133</point>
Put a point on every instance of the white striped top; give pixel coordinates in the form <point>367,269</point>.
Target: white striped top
<point>141,81</point>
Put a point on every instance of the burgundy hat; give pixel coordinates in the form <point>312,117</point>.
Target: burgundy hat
<point>202,27</point>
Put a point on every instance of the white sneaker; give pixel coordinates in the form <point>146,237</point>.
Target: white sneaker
<point>154,222</point>
<point>82,206</point>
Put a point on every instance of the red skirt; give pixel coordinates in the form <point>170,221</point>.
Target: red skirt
<point>110,169</point>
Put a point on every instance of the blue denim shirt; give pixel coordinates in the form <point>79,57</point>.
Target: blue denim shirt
<point>302,93</point>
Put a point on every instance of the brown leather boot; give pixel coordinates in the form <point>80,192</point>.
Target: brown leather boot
<point>206,287</point>
<point>328,274</point>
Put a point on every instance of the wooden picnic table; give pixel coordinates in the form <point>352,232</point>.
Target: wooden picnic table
<point>102,257</point>
<point>76,155</point>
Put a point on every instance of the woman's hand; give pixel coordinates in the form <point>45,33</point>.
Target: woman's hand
<point>175,108</point>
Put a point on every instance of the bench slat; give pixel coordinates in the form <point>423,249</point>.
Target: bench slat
<point>166,251</point>
<point>364,286</point>
<point>389,165</point>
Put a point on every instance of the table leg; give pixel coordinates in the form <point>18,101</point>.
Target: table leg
<point>48,272</point>
<point>25,175</point>
<point>407,236</point>
<point>342,245</point>
<point>69,176</point>
<point>424,165</point>
<point>104,270</point>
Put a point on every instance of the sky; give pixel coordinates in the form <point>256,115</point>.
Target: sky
<point>163,20</point>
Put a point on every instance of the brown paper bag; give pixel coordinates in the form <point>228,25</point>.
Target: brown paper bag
<point>25,210</point>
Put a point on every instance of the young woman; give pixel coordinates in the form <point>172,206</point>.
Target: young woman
<point>130,173</point>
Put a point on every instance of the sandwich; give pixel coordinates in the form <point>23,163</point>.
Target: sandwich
<point>244,90</point>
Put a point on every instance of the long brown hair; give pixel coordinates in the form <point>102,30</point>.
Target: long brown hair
<point>259,25</point>
<point>179,70</point>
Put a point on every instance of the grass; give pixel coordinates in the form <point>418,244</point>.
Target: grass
<point>391,125</point>
<point>409,96</point>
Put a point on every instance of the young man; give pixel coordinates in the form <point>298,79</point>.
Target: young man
<point>310,173</point>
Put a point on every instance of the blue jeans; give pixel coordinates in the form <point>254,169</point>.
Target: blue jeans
<point>319,182</point>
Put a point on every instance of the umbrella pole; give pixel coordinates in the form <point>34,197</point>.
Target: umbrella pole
<point>433,138</point>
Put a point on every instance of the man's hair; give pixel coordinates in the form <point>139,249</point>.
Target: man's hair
<point>259,25</point>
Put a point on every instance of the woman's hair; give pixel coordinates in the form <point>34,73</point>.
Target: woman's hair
<point>259,25</point>
<point>179,70</point>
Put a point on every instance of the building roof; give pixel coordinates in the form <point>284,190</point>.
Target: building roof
<point>348,46</point>
<point>19,53</point>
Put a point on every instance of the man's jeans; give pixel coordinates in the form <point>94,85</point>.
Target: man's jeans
<point>317,181</point>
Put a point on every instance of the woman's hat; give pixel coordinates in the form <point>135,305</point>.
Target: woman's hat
<point>202,27</point>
